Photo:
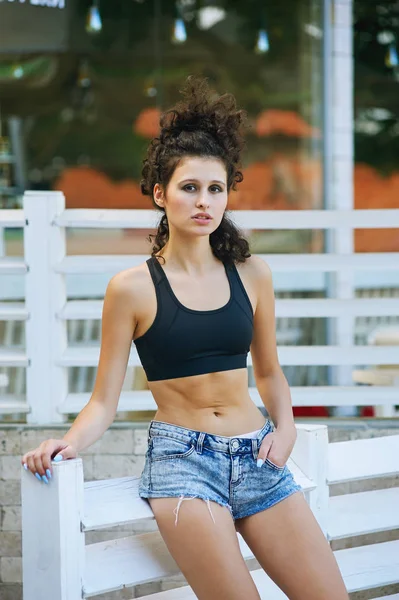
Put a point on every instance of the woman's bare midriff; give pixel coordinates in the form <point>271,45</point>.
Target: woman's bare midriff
<point>217,403</point>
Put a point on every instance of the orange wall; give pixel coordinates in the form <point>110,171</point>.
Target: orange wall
<point>281,183</point>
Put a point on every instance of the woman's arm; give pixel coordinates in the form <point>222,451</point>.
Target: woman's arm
<point>270,379</point>
<point>118,325</point>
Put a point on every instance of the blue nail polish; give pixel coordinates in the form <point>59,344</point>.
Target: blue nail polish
<point>259,462</point>
<point>44,479</point>
<point>25,466</point>
<point>58,458</point>
<point>38,476</point>
<point>48,473</point>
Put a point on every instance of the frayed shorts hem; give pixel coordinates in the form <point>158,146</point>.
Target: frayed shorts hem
<point>178,495</point>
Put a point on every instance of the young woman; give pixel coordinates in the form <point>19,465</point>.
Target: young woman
<point>194,310</point>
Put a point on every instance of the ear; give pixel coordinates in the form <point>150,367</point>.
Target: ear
<point>159,195</point>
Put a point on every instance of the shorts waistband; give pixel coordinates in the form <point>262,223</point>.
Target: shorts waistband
<point>212,441</point>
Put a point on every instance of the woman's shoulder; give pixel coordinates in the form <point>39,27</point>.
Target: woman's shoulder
<point>256,276</point>
<point>134,282</point>
<point>255,268</point>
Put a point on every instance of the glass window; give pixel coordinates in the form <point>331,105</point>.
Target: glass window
<point>90,107</point>
<point>376,126</point>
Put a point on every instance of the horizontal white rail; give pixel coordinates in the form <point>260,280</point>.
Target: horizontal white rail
<point>288,355</point>
<point>94,285</point>
<point>143,400</point>
<point>13,311</point>
<point>13,358</point>
<point>12,266</point>
<point>13,403</point>
<point>320,307</point>
<point>12,217</point>
<point>330,307</point>
<point>109,219</point>
<point>375,457</point>
<point>360,513</point>
<point>111,264</point>
<point>278,262</point>
<point>247,219</point>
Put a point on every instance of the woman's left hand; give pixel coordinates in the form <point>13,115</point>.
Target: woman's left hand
<point>277,446</point>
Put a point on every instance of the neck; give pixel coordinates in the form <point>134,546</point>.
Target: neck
<point>192,255</point>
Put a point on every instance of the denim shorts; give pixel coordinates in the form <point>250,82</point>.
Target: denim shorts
<point>186,464</point>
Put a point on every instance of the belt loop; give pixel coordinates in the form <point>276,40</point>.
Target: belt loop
<point>200,441</point>
<point>255,448</point>
<point>149,431</point>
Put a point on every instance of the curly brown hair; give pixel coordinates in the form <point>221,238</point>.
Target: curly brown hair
<point>200,125</point>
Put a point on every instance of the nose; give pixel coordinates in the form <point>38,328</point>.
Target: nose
<point>203,200</point>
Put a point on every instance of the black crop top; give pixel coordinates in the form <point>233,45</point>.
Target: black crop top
<point>183,342</point>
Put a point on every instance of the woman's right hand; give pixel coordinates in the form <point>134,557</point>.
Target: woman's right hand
<point>38,461</point>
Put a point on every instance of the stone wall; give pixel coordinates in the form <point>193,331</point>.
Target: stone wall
<point>120,453</point>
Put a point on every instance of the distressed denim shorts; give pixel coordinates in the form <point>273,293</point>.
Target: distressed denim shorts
<point>186,464</point>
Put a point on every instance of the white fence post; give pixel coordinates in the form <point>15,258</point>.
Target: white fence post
<point>310,453</point>
<point>53,545</point>
<point>342,176</point>
<point>46,335</point>
<point>2,242</point>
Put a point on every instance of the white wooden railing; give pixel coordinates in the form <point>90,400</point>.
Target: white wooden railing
<point>58,564</point>
<point>46,310</point>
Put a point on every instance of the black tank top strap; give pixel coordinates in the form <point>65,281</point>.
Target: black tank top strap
<point>238,287</point>
<point>156,272</point>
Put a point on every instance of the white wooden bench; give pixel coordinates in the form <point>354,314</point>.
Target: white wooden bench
<point>58,564</point>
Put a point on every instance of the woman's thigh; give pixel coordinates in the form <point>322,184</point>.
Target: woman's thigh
<point>206,549</point>
<point>290,546</point>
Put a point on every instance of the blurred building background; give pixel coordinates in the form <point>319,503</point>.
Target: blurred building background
<point>82,84</point>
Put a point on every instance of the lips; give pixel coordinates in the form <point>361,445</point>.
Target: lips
<point>203,216</point>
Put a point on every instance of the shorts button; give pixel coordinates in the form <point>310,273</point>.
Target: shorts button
<point>235,444</point>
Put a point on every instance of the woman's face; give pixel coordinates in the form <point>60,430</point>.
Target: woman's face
<point>198,185</point>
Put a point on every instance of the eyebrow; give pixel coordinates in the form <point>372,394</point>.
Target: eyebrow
<point>198,181</point>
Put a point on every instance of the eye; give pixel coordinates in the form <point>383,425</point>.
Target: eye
<point>216,188</point>
<point>188,185</point>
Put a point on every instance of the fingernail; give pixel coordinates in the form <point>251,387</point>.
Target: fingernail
<point>25,466</point>
<point>38,476</point>
<point>259,462</point>
<point>48,473</point>
<point>58,458</point>
<point>44,479</point>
